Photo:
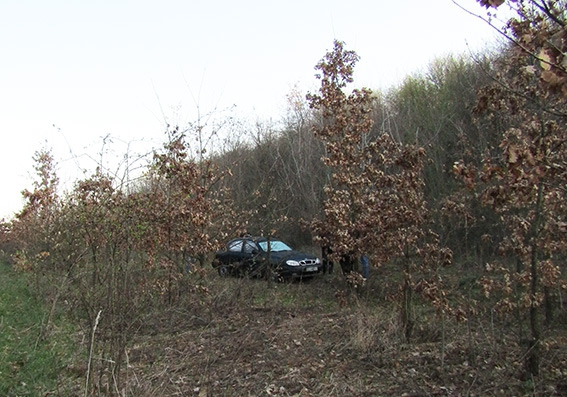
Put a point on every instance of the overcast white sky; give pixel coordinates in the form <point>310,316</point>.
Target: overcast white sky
<point>94,68</point>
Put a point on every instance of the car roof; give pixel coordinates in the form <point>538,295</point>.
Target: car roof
<point>256,239</point>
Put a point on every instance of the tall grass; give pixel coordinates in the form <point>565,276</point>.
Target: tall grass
<point>31,360</point>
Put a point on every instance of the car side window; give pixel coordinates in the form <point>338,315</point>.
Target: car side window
<point>235,246</point>
<point>249,247</point>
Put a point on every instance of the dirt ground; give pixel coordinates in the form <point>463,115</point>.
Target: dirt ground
<point>246,341</point>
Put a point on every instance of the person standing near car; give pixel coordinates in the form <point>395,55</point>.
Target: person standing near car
<point>365,266</point>
<point>326,251</point>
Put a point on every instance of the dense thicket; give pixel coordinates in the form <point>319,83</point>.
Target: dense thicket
<point>280,170</point>
<point>113,253</point>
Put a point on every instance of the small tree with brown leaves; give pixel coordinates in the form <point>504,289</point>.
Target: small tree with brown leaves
<point>33,224</point>
<point>182,208</point>
<point>524,179</point>
<point>374,202</point>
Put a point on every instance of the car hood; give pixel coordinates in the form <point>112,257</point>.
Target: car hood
<point>281,256</point>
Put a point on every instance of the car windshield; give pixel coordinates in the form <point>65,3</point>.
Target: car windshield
<point>275,246</point>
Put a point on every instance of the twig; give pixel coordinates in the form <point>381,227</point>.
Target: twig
<point>91,353</point>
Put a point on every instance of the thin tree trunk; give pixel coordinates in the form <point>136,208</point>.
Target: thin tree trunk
<point>407,304</point>
<point>532,356</point>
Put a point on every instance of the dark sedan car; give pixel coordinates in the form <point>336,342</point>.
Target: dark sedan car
<point>248,256</point>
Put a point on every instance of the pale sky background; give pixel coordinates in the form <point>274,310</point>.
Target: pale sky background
<point>73,72</point>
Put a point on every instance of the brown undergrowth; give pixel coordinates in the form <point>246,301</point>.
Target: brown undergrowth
<point>238,337</point>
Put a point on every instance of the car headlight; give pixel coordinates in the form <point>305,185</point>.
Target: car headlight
<point>317,261</point>
<point>292,263</point>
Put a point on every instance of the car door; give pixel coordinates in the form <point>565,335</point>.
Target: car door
<point>232,253</point>
<point>251,258</point>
